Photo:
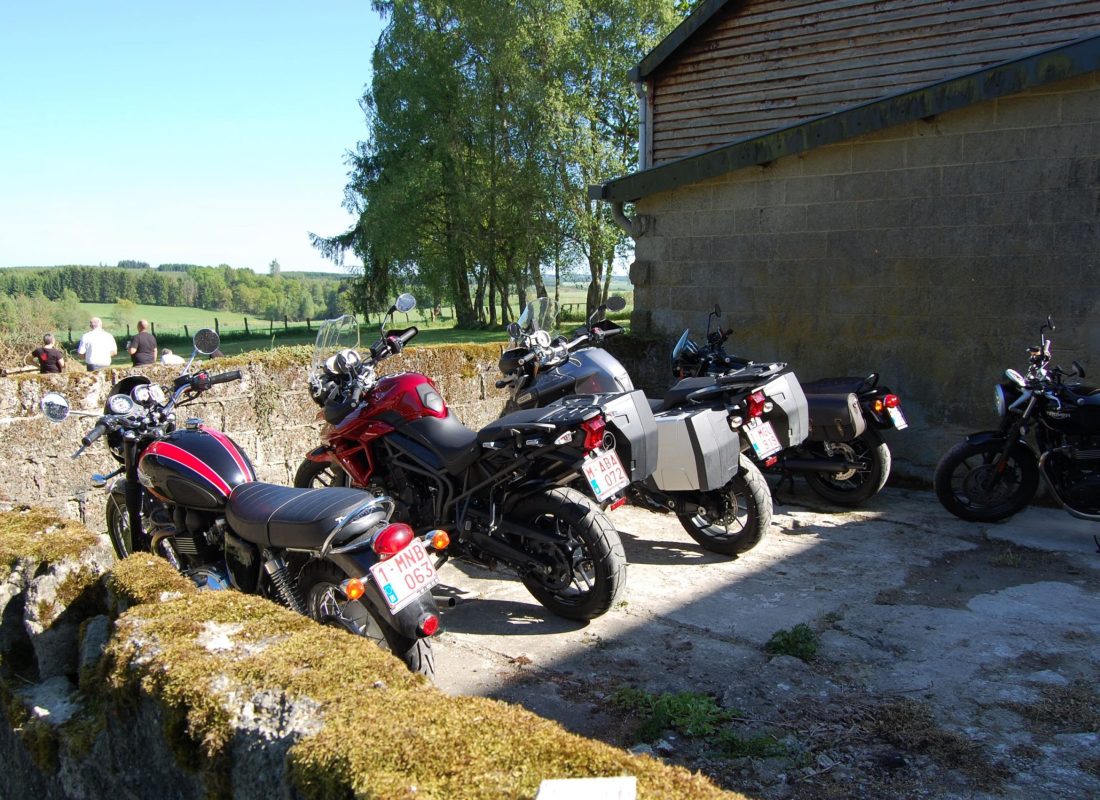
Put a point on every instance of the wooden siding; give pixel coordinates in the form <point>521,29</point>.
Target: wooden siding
<point>766,64</point>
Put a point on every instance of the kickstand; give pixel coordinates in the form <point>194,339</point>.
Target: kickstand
<point>784,477</point>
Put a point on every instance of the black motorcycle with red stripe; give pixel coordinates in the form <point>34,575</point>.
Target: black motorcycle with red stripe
<point>187,492</point>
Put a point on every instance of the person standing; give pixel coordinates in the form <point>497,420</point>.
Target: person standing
<point>97,346</point>
<point>49,358</point>
<point>143,347</point>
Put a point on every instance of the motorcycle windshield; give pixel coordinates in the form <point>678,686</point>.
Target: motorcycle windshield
<point>333,336</point>
<point>541,314</point>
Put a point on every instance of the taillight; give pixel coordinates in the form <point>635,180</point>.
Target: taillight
<point>892,401</point>
<point>758,404</point>
<point>428,624</point>
<point>593,432</point>
<point>392,539</point>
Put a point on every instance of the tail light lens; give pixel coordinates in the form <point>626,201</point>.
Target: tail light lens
<point>593,432</point>
<point>428,624</point>
<point>758,404</point>
<point>392,539</point>
<point>440,540</point>
<point>892,401</point>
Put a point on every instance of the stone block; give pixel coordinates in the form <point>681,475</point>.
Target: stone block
<point>729,196</point>
<point>1083,106</point>
<point>973,179</point>
<point>829,160</point>
<point>832,216</point>
<point>997,145</point>
<point>861,186</point>
<point>878,156</point>
<point>714,223</point>
<point>782,219</point>
<point>773,192</point>
<point>1028,110</point>
<point>933,150</point>
<point>809,190</point>
<point>914,182</point>
<point>884,213</point>
<point>1065,141</point>
<point>1060,206</point>
<point>673,224</point>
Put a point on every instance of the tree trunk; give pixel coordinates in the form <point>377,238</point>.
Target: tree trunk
<point>479,296</point>
<point>493,288</point>
<point>535,269</point>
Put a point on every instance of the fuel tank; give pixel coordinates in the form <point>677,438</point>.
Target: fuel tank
<point>194,467</point>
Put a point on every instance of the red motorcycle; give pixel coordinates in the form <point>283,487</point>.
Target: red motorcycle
<point>503,493</point>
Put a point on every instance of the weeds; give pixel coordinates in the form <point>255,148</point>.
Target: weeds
<point>800,642</point>
<point>689,713</point>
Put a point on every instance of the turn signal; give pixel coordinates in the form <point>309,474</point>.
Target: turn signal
<point>440,540</point>
<point>353,588</point>
<point>879,406</point>
<point>892,401</point>
<point>392,539</point>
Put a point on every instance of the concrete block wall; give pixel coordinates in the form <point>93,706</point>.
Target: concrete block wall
<point>930,252</point>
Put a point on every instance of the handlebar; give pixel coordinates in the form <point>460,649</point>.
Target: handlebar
<point>94,434</point>
<point>225,377</point>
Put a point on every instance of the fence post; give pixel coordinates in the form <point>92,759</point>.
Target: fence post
<point>217,329</point>
<point>271,327</point>
<point>286,323</point>
<point>186,332</point>
<point>128,330</point>
<point>246,325</point>
<point>307,325</point>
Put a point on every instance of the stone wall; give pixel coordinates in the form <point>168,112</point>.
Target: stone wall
<point>268,413</point>
<point>930,252</point>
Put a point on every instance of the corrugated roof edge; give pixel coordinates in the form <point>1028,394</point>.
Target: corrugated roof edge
<point>680,34</point>
<point>1009,77</point>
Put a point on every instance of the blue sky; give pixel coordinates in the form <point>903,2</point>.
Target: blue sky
<point>200,132</point>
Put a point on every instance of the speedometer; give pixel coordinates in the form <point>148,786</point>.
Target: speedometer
<point>541,338</point>
<point>119,404</point>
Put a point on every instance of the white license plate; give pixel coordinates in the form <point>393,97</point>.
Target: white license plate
<point>763,439</point>
<point>405,576</point>
<point>897,418</point>
<point>605,474</point>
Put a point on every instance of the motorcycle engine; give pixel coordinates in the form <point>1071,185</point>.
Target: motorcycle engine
<point>196,538</point>
<point>1078,477</point>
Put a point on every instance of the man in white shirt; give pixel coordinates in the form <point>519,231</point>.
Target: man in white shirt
<point>97,346</point>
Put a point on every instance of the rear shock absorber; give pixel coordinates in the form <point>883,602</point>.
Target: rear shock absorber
<point>285,590</point>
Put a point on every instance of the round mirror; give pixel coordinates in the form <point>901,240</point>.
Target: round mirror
<point>1015,377</point>
<point>206,341</point>
<point>679,348</point>
<point>404,303</point>
<point>513,330</point>
<point>616,303</point>
<point>55,407</point>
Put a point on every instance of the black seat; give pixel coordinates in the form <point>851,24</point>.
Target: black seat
<point>537,420</point>
<point>454,443</point>
<point>678,394</point>
<point>279,516</point>
<point>1083,395</point>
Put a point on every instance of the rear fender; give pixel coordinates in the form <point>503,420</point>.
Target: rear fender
<point>319,454</point>
<point>983,437</point>
<point>407,620</point>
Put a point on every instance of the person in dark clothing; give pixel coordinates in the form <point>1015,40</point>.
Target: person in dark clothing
<point>48,357</point>
<point>143,347</point>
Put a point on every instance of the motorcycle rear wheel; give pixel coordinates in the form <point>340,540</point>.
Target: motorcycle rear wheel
<point>319,584</point>
<point>590,565</point>
<point>317,474</point>
<point>967,483</point>
<point>854,486</point>
<point>732,520</point>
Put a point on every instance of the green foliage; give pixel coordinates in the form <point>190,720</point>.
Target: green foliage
<point>126,313</point>
<point>762,745</point>
<point>689,713</point>
<point>800,642</point>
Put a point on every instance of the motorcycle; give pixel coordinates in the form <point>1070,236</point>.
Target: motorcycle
<point>994,474</point>
<point>188,493</point>
<point>704,424</point>
<point>844,458</point>
<point>503,492</point>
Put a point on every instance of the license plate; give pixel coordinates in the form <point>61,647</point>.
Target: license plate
<point>763,439</point>
<point>405,576</point>
<point>897,418</point>
<point>605,474</point>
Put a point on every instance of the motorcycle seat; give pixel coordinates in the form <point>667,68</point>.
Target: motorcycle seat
<point>452,442</point>
<point>678,394</point>
<point>1085,395</point>
<point>281,516</point>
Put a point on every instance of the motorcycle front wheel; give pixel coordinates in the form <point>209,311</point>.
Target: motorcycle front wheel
<point>732,520</point>
<point>319,584</point>
<point>587,571</point>
<point>851,487</point>
<point>972,485</point>
<point>316,474</point>
<point>118,527</point>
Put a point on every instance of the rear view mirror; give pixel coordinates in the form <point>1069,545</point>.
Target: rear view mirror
<point>404,303</point>
<point>55,407</point>
<point>206,341</point>
<point>616,303</point>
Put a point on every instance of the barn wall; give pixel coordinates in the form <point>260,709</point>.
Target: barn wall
<point>766,64</point>
<point>930,252</point>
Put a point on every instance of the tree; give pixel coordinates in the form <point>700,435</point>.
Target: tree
<point>126,313</point>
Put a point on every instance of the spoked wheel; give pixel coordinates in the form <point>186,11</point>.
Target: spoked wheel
<point>320,586</point>
<point>587,564</point>
<point>854,485</point>
<point>118,527</point>
<point>315,474</point>
<point>975,484</point>
<point>732,520</point>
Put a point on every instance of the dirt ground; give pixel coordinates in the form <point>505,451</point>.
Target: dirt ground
<point>953,660</point>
